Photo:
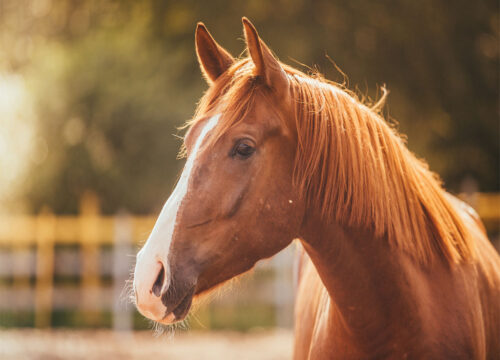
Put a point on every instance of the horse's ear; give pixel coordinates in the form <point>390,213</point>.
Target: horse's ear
<point>266,65</point>
<point>214,59</point>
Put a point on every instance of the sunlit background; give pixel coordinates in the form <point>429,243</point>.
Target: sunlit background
<point>92,94</point>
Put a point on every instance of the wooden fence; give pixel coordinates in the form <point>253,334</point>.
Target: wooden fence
<point>89,231</point>
<point>21,236</point>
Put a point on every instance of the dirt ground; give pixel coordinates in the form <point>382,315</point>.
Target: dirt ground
<point>102,344</point>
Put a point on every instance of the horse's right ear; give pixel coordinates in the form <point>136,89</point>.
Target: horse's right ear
<point>266,65</point>
<point>214,60</point>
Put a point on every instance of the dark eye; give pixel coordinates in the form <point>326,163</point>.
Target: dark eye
<point>243,149</point>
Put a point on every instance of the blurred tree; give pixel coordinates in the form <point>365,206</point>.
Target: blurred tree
<point>108,113</point>
<point>113,79</point>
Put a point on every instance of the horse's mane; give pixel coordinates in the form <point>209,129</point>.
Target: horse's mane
<point>351,165</point>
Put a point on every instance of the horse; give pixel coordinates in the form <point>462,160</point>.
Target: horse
<point>390,264</point>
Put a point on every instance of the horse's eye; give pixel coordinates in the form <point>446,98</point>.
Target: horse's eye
<point>243,149</point>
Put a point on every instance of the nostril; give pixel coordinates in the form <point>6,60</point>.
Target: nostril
<point>157,286</point>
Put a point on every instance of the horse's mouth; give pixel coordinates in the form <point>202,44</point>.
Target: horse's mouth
<point>180,310</point>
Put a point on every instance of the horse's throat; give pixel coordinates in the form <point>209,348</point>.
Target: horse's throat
<point>364,278</point>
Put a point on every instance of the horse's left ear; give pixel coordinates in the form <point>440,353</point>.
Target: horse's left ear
<point>266,65</point>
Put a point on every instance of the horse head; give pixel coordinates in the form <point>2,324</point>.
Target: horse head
<point>234,203</point>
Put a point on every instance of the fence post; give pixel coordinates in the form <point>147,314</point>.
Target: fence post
<point>283,287</point>
<point>89,237</point>
<point>122,264</point>
<point>45,233</point>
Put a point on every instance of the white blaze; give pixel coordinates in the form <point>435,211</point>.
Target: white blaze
<point>157,246</point>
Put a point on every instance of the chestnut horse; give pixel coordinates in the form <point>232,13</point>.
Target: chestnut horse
<point>392,266</point>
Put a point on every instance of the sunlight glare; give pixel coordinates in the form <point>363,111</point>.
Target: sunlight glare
<point>16,133</point>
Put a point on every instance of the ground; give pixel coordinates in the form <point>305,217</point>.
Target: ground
<point>102,344</point>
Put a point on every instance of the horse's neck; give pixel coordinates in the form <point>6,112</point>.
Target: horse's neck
<point>366,280</point>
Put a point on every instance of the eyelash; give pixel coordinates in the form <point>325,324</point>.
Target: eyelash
<point>243,149</point>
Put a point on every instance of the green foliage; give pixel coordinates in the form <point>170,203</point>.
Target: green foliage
<point>113,80</point>
<point>241,317</point>
<point>17,319</point>
<point>110,126</point>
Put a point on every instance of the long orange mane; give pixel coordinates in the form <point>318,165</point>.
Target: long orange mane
<point>351,165</point>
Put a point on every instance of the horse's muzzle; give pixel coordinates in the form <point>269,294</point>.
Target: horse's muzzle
<point>147,289</point>
<point>177,299</point>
